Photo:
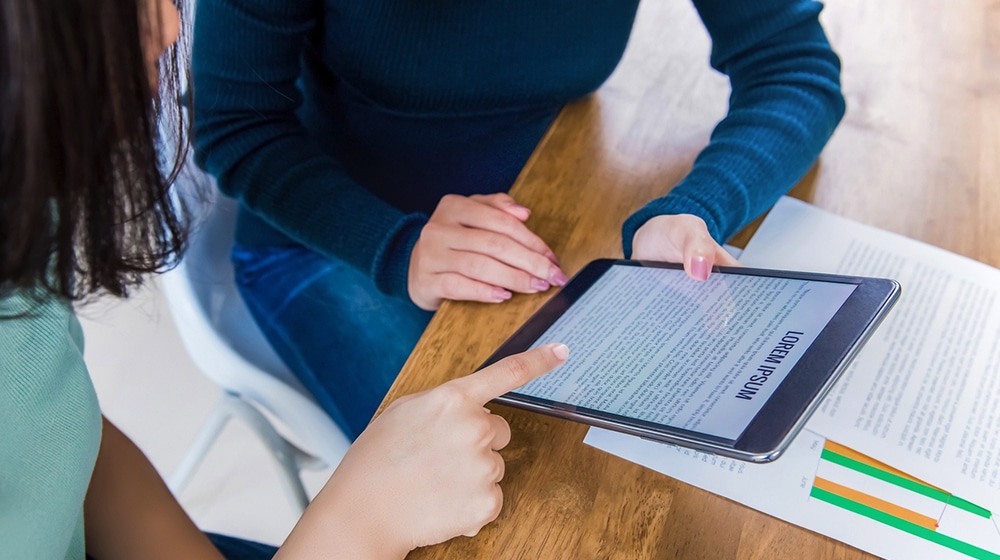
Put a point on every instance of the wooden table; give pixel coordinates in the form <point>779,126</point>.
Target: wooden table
<point>918,154</point>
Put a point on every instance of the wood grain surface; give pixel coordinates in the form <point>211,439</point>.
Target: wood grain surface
<point>917,154</point>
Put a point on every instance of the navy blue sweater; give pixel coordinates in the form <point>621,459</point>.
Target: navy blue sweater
<point>339,124</point>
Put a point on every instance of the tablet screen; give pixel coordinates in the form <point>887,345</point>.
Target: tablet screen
<point>654,345</point>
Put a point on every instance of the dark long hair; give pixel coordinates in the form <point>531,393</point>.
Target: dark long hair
<point>84,204</point>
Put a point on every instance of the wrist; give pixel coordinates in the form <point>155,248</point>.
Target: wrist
<point>338,526</point>
<point>391,269</point>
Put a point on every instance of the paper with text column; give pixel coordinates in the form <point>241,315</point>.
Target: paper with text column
<point>924,393</point>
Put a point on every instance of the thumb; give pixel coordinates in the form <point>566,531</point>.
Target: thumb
<point>722,257</point>
<point>703,256</point>
<point>512,372</point>
<point>699,253</point>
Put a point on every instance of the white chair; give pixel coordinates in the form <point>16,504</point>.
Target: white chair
<point>226,345</point>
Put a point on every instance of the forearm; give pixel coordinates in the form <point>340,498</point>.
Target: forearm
<point>785,104</point>
<point>334,528</point>
<point>301,196</point>
<point>130,513</point>
<point>248,135</point>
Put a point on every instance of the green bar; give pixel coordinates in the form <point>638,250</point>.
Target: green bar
<point>903,525</point>
<point>903,482</point>
<point>970,507</point>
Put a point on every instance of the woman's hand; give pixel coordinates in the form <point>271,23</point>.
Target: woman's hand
<point>425,470</point>
<point>477,248</point>
<point>680,238</point>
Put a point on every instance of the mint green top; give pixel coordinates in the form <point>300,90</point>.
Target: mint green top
<point>50,429</point>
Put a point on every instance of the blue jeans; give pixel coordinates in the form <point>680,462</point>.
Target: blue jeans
<point>344,339</point>
<point>233,548</point>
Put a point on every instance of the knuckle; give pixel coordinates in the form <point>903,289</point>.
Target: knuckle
<point>519,369</point>
<point>450,286</point>
<point>431,230</point>
<point>501,196</point>
<point>496,473</point>
<point>541,266</point>
<point>537,245</point>
<point>472,435</point>
<point>446,397</point>
<point>494,244</point>
<point>480,432</point>
<point>447,207</point>
<point>694,222</point>
<point>493,505</point>
<point>529,238</point>
<point>447,392</point>
<point>472,267</point>
<point>514,226</point>
<point>484,508</point>
<point>522,281</point>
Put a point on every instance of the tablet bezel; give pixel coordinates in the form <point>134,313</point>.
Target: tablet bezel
<point>786,410</point>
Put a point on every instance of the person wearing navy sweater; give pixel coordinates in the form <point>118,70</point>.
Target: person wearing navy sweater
<point>371,144</point>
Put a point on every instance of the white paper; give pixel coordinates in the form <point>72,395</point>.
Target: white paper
<point>924,393</point>
<point>784,489</point>
<point>922,396</point>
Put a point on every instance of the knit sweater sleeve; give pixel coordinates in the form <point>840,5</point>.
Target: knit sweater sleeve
<point>245,64</point>
<point>785,103</point>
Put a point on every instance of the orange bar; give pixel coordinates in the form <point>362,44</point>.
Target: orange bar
<point>852,454</point>
<point>876,503</point>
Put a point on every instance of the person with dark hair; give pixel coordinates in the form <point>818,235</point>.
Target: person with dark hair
<point>85,211</point>
<point>371,143</point>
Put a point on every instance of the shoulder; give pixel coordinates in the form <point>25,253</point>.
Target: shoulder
<point>41,345</point>
<point>34,326</point>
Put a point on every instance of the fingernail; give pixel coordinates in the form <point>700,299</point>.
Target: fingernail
<point>699,268</point>
<point>560,350</point>
<point>539,285</point>
<point>522,211</point>
<point>500,294</point>
<point>557,278</point>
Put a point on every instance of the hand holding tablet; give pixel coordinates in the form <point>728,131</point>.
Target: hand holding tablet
<point>734,365</point>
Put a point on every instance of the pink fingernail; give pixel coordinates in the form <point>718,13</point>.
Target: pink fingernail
<point>522,211</point>
<point>560,350</point>
<point>500,294</point>
<point>557,278</point>
<point>699,268</point>
<point>539,285</point>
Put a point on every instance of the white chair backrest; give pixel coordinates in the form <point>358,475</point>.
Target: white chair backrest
<point>220,334</point>
<point>210,273</point>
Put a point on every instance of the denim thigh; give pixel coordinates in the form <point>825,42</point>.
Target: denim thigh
<point>343,338</point>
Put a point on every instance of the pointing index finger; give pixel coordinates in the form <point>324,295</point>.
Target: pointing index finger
<point>512,372</point>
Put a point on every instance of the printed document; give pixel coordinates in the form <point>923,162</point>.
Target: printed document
<point>923,395</point>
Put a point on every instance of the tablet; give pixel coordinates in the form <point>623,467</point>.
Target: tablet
<point>734,365</point>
